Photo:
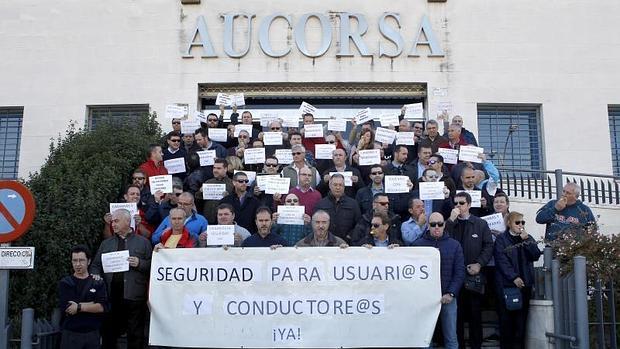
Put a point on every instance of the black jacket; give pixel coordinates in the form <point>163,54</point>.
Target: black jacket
<point>452,266</point>
<point>476,239</point>
<point>514,258</point>
<point>344,214</point>
<point>361,234</point>
<point>245,213</point>
<point>323,186</point>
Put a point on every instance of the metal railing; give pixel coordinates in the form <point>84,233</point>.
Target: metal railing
<point>547,185</point>
<point>39,333</point>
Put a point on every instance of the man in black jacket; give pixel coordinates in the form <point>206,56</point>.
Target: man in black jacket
<point>474,236</point>
<point>343,211</point>
<point>381,203</point>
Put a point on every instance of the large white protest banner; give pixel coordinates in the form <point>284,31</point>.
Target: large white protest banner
<point>283,298</point>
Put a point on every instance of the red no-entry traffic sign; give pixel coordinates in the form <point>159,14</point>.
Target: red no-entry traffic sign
<point>17,210</point>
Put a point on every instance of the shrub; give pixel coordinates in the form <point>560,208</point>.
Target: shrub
<point>85,171</point>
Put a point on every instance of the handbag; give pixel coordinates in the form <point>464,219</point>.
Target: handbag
<point>513,298</point>
<point>475,283</point>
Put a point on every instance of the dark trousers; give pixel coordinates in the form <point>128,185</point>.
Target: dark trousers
<point>124,316</point>
<point>79,340</point>
<point>469,310</point>
<point>512,322</point>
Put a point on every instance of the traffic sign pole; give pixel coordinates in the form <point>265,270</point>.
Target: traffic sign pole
<point>5,330</point>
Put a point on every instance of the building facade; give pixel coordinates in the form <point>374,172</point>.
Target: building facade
<point>535,80</point>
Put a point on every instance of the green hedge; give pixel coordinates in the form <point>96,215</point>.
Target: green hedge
<point>85,171</point>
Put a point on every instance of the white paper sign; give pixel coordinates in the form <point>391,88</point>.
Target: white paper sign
<point>220,235</point>
<point>476,196</point>
<point>363,115</point>
<point>324,151</point>
<point>313,131</point>
<point>250,174</point>
<point>200,116</point>
<point>470,153</point>
<point>385,135</point>
<point>115,262</point>
<point>338,125</point>
<point>245,304</point>
<point>369,157</point>
<point>277,185</point>
<point>348,182</point>
<point>207,157</point>
<point>290,121</point>
<point>450,156</point>
<point>132,207</point>
<point>254,156</point>
<point>414,111</point>
<point>175,165</point>
<point>406,138</point>
<point>223,99</point>
<point>291,215</point>
<point>261,181</point>
<point>218,134</point>
<point>285,156</point>
<point>242,127</point>
<point>307,108</point>
<point>267,118</point>
<point>432,191</point>
<point>189,126</point>
<point>396,184</point>
<point>440,92</point>
<point>213,191</point>
<point>174,111</point>
<point>237,99</point>
<point>495,222</point>
<point>444,107</point>
<point>389,120</point>
<point>272,138</point>
<point>161,183</point>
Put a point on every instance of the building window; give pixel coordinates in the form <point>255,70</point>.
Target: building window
<point>511,135</point>
<point>614,133</point>
<point>115,113</point>
<point>10,137</point>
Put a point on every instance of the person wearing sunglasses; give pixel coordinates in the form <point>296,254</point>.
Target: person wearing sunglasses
<point>292,232</point>
<point>365,195</point>
<point>299,160</point>
<point>515,252</point>
<point>138,178</point>
<point>379,233</point>
<point>160,204</point>
<point>270,168</point>
<point>244,203</point>
<point>452,268</point>
<point>474,235</point>
<point>176,125</point>
<point>381,203</point>
<point>436,163</point>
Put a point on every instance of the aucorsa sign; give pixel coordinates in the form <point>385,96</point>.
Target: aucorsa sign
<point>17,209</point>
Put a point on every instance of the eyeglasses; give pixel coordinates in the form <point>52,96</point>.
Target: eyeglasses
<point>138,178</point>
<point>246,181</point>
<point>436,224</point>
<point>289,201</point>
<point>275,129</point>
<point>271,165</point>
<point>432,162</point>
<point>384,203</point>
<point>178,194</point>
<point>176,122</point>
<point>376,225</point>
<point>331,142</point>
<point>376,173</point>
<point>460,203</point>
<point>212,120</point>
<point>297,153</point>
<point>243,137</point>
<point>175,140</point>
<point>520,222</point>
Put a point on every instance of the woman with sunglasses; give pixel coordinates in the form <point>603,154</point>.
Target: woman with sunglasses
<point>290,232</point>
<point>515,252</point>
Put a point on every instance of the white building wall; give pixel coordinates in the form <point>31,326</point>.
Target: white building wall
<point>58,57</point>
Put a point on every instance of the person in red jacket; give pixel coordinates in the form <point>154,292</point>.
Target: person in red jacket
<point>154,166</point>
<point>177,236</point>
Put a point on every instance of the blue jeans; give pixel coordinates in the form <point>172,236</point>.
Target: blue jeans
<point>448,325</point>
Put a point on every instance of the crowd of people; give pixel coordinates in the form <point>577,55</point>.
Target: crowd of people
<point>345,203</point>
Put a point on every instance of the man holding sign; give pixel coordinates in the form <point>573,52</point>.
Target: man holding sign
<point>127,290</point>
<point>226,216</point>
<point>154,165</point>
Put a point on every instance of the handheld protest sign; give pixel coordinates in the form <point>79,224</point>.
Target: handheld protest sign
<point>17,210</point>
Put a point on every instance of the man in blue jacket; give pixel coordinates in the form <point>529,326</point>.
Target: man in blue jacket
<point>564,213</point>
<point>452,274</point>
<point>194,222</point>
